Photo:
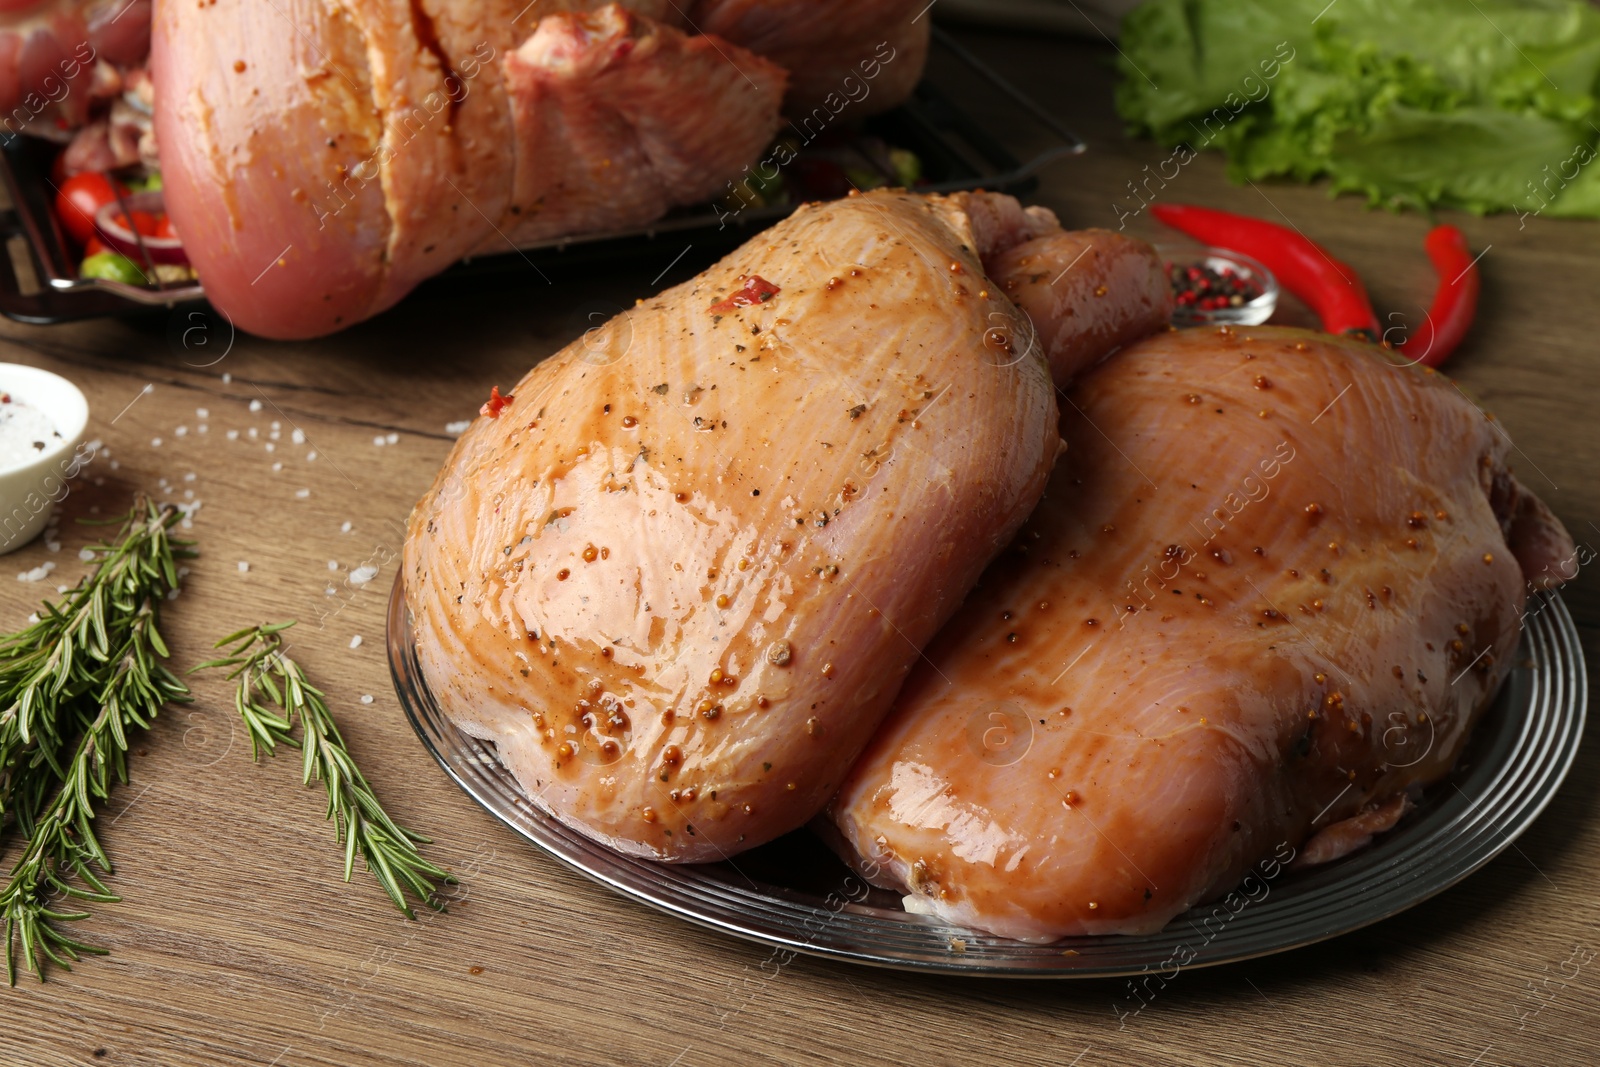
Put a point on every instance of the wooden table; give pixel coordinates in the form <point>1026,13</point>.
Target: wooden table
<point>236,942</point>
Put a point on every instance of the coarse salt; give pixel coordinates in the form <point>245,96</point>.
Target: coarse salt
<point>181,431</point>
<point>243,566</point>
<point>310,456</point>
<point>255,405</point>
<point>86,554</point>
<point>457,427</point>
<point>226,378</point>
<point>378,441</point>
<point>233,435</point>
<point>302,493</point>
<point>366,698</point>
<point>202,413</point>
<point>355,642</point>
<point>363,574</point>
<point>277,466</point>
<point>394,438</point>
<point>298,437</point>
<point>345,528</point>
<point>155,442</point>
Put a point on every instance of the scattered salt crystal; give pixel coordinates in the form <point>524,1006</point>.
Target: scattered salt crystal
<point>99,481</point>
<point>187,524</point>
<point>366,698</point>
<point>86,554</point>
<point>310,456</point>
<point>202,413</point>
<point>271,447</point>
<point>189,477</point>
<point>277,466</point>
<point>251,433</point>
<point>233,435</point>
<point>172,594</point>
<point>394,438</point>
<point>378,441</point>
<point>34,617</point>
<point>298,437</point>
<point>61,588</point>
<point>333,564</point>
<point>274,435</point>
<point>226,378</point>
<point>302,493</point>
<point>363,574</point>
<point>202,428</point>
<point>457,427</point>
<point>38,574</point>
<point>54,546</point>
<point>183,572</point>
<point>255,405</point>
<point>155,442</point>
<point>243,566</point>
<point>188,494</point>
<point>355,642</point>
<point>331,591</point>
<point>181,431</point>
<point>276,425</point>
<point>115,465</point>
<point>345,528</point>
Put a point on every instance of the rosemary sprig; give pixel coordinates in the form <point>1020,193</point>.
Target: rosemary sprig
<point>92,670</point>
<point>265,673</point>
<point>48,667</point>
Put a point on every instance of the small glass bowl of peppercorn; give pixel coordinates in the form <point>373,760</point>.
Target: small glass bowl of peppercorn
<point>1215,286</point>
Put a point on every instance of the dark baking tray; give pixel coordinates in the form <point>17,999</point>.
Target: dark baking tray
<point>38,274</point>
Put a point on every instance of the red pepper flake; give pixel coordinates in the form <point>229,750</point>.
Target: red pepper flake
<point>496,403</point>
<point>757,290</point>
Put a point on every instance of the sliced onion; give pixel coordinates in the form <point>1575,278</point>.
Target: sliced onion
<point>121,239</point>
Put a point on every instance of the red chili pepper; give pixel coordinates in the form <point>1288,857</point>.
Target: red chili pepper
<point>757,290</point>
<point>1455,302</point>
<point>1331,288</point>
<point>493,406</point>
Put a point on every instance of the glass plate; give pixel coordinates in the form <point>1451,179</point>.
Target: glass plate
<point>794,895</point>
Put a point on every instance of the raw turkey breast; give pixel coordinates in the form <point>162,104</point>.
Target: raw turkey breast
<point>1272,584</point>
<point>679,578</point>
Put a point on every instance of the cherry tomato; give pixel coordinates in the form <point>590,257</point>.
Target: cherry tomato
<point>94,246</point>
<point>164,227</point>
<point>78,198</point>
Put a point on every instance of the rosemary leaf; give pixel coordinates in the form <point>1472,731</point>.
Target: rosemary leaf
<point>267,676</point>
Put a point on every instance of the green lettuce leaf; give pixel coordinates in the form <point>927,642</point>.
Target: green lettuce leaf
<point>1487,106</point>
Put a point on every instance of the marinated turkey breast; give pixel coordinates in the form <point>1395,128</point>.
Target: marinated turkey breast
<point>679,578</point>
<point>1268,592</point>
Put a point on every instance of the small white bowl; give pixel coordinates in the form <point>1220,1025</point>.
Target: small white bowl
<point>30,491</point>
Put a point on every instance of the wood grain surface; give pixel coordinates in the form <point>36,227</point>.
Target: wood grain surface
<point>237,943</point>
